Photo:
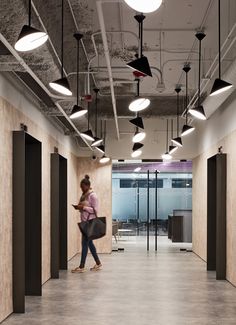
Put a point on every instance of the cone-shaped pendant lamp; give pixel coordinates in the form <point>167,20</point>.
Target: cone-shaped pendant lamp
<point>172,149</point>
<point>30,38</point>
<point>62,85</point>
<point>137,146</point>
<point>97,141</point>
<point>177,141</point>
<point>140,64</point>
<point>78,110</point>
<point>167,155</point>
<point>136,153</point>
<point>88,134</point>
<point>138,122</point>
<point>101,148</point>
<point>219,85</point>
<point>198,111</point>
<point>104,159</point>
<point>187,129</point>
<point>138,136</point>
<point>144,6</point>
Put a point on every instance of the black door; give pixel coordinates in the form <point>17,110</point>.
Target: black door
<point>58,214</point>
<point>27,218</point>
<point>216,215</point>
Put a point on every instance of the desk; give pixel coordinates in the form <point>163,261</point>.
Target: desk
<point>124,231</point>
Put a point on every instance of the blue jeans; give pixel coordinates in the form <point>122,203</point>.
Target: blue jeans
<point>87,243</point>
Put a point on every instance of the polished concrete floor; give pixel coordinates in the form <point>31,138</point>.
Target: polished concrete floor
<point>135,288</point>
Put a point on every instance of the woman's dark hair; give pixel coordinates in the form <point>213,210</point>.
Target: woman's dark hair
<point>86,180</point>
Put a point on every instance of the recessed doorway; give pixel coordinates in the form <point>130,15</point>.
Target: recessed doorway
<point>27,219</point>
<point>59,258</point>
<point>216,215</point>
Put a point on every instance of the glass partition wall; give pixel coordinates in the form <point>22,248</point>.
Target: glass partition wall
<point>130,198</point>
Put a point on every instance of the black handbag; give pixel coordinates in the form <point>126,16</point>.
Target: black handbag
<point>93,228</point>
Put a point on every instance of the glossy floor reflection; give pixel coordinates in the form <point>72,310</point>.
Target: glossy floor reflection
<point>135,288</point>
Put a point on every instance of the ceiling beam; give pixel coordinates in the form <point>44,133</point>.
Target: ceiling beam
<point>108,62</point>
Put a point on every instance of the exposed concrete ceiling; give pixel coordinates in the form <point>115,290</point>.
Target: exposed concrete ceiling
<point>169,42</point>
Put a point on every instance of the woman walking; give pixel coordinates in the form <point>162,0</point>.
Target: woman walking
<point>88,207</point>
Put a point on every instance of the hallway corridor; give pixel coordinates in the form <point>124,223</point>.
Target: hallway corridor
<point>135,288</point>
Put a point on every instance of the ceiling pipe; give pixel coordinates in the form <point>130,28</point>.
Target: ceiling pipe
<point>39,82</point>
<point>96,50</point>
<point>49,39</point>
<point>82,42</point>
<point>128,71</point>
<point>52,46</point>
<point>192,30</point>
<point>108,61</point>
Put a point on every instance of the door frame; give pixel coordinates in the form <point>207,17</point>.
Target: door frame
<point>27,231</point>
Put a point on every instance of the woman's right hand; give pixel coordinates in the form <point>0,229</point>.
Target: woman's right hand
<point>80,207</point>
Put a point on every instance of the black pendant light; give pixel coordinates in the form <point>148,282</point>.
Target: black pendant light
<point>78,110</point>
<point>136,153</point>
<point>30,38</point>
<point>167,155</point>
<point>198,111</point>
<point>137,146</point>
<point>101,148</point>
<point>138,122</point>
<point>138,136</point>
<point>177,141</point>
<point>139,103</point>
<point>142,66</point>
<point>141,63</point>
<point>172,149</point>
<point>61,85</point>
<point>97,141</point>
<point>219,85</point>
<point>104,159</point>
<point>88,134</point>
<point>187,129</point>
